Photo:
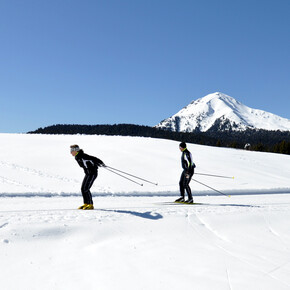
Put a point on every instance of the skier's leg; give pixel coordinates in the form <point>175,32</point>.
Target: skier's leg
<point>87,184</point>
<point>181,184</point>
<point>84,189</point>
<point>187,187</point>
<point>91,181</point>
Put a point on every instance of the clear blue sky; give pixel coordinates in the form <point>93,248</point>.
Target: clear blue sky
<point>138,61</point>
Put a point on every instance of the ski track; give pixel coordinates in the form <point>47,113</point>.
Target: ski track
<point>210,229</point>
<point>14,182</point>
<point>282,241</point>
<point>279,267</point>
<point>198,226</point>
<point>206,232</point>
<point>60,221</point>
<point>275,233</point>
<point>4,225</point>
<point>36,172</point>
<point>229,280</point>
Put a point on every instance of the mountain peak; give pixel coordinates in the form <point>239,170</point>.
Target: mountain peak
<point>222,112</point>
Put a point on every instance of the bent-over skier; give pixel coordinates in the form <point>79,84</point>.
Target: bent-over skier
<point>90,164</point>
<point>187,173</point>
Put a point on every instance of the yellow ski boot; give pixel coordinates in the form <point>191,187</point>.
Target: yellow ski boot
<point>89,206</point>
<point>82,206</point>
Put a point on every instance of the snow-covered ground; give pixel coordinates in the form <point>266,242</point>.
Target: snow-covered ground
<point>136,238</point>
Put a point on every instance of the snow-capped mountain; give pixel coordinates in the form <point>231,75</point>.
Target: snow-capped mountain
<point>220,112</point>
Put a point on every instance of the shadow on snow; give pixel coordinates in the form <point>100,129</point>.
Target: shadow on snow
<point>146,215</point>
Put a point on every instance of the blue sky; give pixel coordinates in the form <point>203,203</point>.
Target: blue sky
<point>139,62</point>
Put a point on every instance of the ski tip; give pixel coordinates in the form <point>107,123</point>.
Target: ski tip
<point>233,177</point>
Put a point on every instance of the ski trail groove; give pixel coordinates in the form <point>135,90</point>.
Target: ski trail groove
<point>229,280</point>
<point>4,225</point>
<point>198,227</point>
<point>16,183</point>
<point>36,172</point>
<point>279,267</point>
<point>208,227</point>
<point>276,234</point>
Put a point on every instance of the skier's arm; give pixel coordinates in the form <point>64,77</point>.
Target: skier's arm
<point>99,162</point>
<point>191,165</point>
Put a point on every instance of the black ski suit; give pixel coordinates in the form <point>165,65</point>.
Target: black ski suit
<point>90,164</point>
<point>187,173</point>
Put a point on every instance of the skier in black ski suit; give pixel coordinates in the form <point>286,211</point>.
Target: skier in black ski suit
<point>90,164</point>
<point>187,173</point>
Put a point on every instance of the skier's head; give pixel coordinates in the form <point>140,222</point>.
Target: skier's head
<point>74,149</point>
<point>182,146</point>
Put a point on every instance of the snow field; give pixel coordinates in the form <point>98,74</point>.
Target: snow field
<point>136,238</point>
<point>41,165</point>
<point>145,243</point>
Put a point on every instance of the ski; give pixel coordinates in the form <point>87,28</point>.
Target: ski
<point>194,203</point>
<point>174,203</point>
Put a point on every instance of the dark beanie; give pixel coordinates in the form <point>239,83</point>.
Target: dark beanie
<point>182,145</point>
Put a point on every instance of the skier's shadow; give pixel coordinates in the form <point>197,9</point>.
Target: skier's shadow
<point>145,215</point>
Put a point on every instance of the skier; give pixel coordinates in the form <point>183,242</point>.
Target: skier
<point>90,165</point>
<point>187,173</point>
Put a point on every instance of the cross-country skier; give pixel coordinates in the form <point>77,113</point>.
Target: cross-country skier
<point>187,173</point>
<point>90,164</point>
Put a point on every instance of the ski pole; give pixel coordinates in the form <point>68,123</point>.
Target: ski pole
<point>123,176</point>
<point>211,188</point>
<point>132,175</point>
<point>213,175</point>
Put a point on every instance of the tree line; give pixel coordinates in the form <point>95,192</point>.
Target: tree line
<point>260,140</point>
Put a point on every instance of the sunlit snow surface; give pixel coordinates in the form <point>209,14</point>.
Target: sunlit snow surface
<point>136,238</point>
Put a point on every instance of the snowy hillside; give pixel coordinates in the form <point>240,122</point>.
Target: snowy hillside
<point>136,238</point>
<point>224,112</point>
<point>42,165</point>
